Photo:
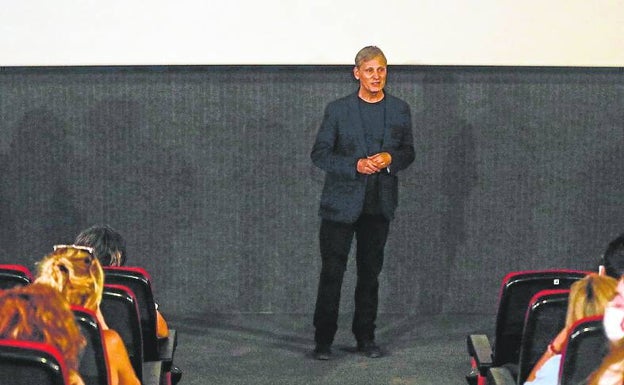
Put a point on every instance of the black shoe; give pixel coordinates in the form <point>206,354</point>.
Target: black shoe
<point>369,349</point>
<point>472,377</point>
<point>322,353</point>
<point>176,375</point>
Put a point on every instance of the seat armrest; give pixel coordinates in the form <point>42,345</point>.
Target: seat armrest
<point>480,350</point>
<point>500,376</point>
<point>166,349</point>
<point>152,373</point>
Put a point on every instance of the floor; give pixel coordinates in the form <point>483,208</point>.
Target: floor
<point>276,349</point>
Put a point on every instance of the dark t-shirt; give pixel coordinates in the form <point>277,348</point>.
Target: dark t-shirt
<point>373,120</point>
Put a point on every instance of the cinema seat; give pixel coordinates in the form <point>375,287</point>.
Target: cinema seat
<point>94,368</point>
<point>516,291</point>
<point>545,318</point>
<point>586,347</point>
<point>28,363</point>
<point>139,281</point>
<point>157,353</point>
<point>14,275</point>
<point>121,313</point>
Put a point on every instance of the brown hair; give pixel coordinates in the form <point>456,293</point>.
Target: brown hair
<point>38,313</point>
<point>368,53</point>
<point>76,274</point>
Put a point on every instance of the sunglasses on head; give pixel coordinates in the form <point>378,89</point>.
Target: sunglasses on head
<point>77,247</point>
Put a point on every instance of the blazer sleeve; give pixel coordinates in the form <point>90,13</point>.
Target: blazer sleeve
<point>326,153</point>
<point>402,140</point>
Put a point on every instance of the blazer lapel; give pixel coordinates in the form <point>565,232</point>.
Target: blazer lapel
<point>387,131</point>
<point>356,121</point>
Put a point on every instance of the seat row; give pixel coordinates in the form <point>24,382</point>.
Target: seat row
<point>531,311</point>
<point>128,307</point>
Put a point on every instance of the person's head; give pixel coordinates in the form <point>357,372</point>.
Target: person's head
<point>75,273</point>
<point>614,315</point>
<point>371,70</point>
<point>39,313</point>
<point>612,367</point>
<point>109,246</point>
<point>613,258</point>
<point>589,296</point>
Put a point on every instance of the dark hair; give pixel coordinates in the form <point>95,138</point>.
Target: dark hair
<point>613,257</point>
<point>109,246</point>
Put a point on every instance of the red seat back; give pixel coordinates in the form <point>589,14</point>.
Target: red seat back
<point>12,275</point>
<point>138,280</point>
<point>516,291</point>
<point>545,318</point>
<point>586,347</point>
<point>28,363</point>
<point>94,368</point>
<point>120,310</point>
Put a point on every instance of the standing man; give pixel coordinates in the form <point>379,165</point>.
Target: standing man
<point>365,139</point>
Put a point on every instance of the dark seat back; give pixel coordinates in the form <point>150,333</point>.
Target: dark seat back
<point>119,308</point>
<point>14,275</point>
<point>138,280</point>
<point>516,291</point>
<point>28,363</point>
<point>93,362</point>
<point>545,318</point>
<point>586,347</point>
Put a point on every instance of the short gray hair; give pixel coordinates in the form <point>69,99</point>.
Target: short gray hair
<point>368,53</point>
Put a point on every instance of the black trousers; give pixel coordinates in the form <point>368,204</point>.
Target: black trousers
<point>371,232</point>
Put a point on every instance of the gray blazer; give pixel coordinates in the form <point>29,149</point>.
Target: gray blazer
<point>339,144</point>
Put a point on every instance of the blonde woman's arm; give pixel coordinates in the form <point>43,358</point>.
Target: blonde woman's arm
<point>122,372</point>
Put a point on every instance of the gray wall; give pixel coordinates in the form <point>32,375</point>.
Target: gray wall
<point>206,172</point>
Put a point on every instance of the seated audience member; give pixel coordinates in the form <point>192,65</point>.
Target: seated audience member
<point>588,297</point>
<point>611,370</point>
<point>39,313</point>
<point>78,276</point>
<point>110,248</point>
<point>612,261</point>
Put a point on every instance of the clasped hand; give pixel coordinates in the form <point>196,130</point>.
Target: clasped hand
<point>374,163</point>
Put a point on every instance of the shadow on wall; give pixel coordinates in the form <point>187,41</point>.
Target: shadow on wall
<point>600,217</point>
<point>137,183</point>
<point>37,205</point>
<point>457,178</point>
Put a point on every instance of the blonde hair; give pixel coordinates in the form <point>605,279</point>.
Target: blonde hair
<point>76,274</point>
<point>39,313</point>
<point>589,296</point>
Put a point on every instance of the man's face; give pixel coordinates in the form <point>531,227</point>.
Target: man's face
<point>372,75</point>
